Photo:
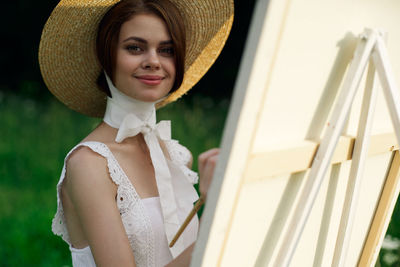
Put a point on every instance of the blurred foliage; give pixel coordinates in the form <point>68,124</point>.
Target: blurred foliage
<point>33,143</point>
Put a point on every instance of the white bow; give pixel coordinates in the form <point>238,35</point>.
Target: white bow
<point>131,126</point>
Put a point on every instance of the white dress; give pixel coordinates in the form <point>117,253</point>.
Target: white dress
<point>142,218</point>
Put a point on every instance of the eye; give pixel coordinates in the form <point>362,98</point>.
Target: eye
<point>167,51</point>
<point>133,48</point>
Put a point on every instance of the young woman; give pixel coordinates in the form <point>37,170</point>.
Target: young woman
<point>126,188</point>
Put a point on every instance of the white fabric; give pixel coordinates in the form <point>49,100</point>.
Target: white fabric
<point>138,217</point>
<point>131,117</point>
<point>162,254</point>
<point>82,257</point>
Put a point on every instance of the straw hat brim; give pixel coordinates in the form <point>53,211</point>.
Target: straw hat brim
<point>67,53</point>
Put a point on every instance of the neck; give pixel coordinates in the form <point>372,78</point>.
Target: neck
<point>120,105</point>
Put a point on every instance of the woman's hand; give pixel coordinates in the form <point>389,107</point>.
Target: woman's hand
<point>207,161</point>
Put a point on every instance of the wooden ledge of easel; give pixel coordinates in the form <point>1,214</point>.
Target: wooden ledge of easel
<point>299,158</point>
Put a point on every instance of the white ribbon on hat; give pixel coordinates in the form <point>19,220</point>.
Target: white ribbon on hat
<point>132,117</point>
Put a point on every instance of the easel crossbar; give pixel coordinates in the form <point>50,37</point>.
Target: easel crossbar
<point>299,157</point>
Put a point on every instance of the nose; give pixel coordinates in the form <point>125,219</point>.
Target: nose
<point>151,61</point>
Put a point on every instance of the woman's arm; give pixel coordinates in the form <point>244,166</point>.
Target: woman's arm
<point>92,194</point>
<point>183,259</point>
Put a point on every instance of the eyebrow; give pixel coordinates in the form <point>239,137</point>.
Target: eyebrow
<point>141,40</point>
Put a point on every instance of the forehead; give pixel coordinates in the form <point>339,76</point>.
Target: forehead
<point>146,26</point>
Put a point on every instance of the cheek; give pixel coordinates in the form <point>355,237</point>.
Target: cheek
<point>171,68</point>
<point>125,64</point>
<point>122,70</point>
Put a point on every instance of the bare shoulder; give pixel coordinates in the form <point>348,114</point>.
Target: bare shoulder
<point>83,158</point>
<point>86,168</point>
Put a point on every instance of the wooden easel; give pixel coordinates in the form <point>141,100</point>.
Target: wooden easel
<point>371,48</point>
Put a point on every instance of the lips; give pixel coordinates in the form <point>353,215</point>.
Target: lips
<point>150,79</point>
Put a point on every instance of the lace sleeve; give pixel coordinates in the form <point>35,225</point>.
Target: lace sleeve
<point>181,156</point>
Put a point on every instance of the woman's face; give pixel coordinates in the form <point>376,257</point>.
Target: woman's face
<point>145,65</point>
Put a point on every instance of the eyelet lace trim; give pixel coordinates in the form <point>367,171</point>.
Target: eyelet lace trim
<point>181,156</point>
<point>136,222</point>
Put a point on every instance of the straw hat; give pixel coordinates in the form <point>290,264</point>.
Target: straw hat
<point>67,53</point>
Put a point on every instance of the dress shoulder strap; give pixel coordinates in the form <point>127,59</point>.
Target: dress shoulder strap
<point>116,175</point>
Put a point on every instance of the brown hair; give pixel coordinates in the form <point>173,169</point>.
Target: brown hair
<point>109,29</point>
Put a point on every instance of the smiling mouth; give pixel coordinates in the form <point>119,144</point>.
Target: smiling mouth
<point>150,79</point>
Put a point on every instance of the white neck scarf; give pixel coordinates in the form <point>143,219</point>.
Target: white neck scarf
<point>131,117</point>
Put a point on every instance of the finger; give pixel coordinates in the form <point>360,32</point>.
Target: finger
<point>206,158</point>
<point>205,155</point>
<point>207,174</point>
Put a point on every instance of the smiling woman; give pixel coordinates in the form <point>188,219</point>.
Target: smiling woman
<point>127,187</point>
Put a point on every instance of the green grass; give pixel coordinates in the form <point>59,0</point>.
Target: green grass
<point>33,143</point>
<point>34,139</point>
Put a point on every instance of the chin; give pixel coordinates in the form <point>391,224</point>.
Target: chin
<point>149,98</point>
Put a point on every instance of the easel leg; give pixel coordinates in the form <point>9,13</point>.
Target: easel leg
<point>392,95</point>
<point>322,160</point>
<point>382,216</point>
<point>357,168</point>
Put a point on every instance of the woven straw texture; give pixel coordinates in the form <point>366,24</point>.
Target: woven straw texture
<point>67,54</point>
